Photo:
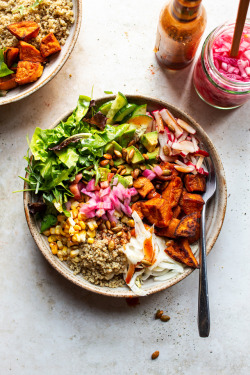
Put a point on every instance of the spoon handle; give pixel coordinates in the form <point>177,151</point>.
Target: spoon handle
<point>203,303</point>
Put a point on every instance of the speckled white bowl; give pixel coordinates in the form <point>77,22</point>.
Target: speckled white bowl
<point>55,64</point>
<point>215,211</point>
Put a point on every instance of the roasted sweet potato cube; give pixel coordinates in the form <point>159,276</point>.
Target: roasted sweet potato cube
<point>191,203</point>
<point>11,56</point>
<point>27,52</point>
<point>195,183</point>
<point>169,166</point>
<point>49,45</point>
<point>24,30</point>
<point>176,212</point>
<point>181,252</point>
<point>143,185</point>
<point>137,206</point>
<point>153,194</point>
<point>170,230</point>
<point>8,82</point>
<point>173,191</point>
<point>187,225</point>
<point>28,72</point>
<point>157,211</point>
<point>196,237</point>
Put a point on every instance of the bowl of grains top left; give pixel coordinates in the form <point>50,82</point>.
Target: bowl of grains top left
<point>36,39</point>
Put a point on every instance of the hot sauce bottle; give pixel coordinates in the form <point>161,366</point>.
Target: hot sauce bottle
<point>180,28</point>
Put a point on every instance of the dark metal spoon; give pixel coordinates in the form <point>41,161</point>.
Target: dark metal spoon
<point>203,302</point>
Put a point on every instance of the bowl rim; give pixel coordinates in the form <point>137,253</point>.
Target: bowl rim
<point>78,20</point>
<point>106,291</point>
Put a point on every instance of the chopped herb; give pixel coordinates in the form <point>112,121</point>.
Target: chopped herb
<point>108,92</point>
<point>4,70</point>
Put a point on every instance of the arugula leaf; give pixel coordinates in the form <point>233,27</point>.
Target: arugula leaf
<point>20,9</point>
<point>4,70</point>
<point>47,221</point>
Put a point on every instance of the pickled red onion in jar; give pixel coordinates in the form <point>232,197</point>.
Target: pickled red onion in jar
<point>220,80</point>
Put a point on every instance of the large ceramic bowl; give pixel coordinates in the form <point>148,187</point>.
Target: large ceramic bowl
<point>215,211</point>
<point>55,64</point>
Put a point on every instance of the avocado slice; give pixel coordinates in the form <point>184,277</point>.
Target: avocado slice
<point>129,170</point>
<point>153,156</point>
<point>110,147</point>
<point>127,136</point>
<point>123,180</point>
<point>104,173</point>
<point>137,158</point>
<point>150,140</point>
<point>118,162</point>
<point>129,179</point>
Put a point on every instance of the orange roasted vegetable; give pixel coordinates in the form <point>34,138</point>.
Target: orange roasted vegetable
<point>176,212</point>
<point>173,191</point>
<point>28,72</point>
<point>143,185</point>
<point>27,52</point>
<point>195,183</point>
<point>170,230</point>
<point>187,225</point>
<point>153,194</point>
<point>181,252</point>
<point>49,45</point>
<point>11,56</point>
<point>196,237</point>
<point>8,82</point>
<point>157,211</point>
<point>191,203</point>
<point>137,206</point>
<point>24,30</point>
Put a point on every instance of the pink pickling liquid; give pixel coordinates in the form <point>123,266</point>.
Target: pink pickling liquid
<point>219,79</point>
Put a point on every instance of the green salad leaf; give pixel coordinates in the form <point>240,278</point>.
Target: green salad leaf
<point>47,222</point>
<point>4,70</point>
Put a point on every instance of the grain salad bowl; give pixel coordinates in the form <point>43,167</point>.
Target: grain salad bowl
<point>55,62</point>
<point>215,211</point>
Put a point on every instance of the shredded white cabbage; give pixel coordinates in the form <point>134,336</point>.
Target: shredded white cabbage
<point>163,268</point>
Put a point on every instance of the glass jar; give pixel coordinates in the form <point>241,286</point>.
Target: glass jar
<point>211,85</point>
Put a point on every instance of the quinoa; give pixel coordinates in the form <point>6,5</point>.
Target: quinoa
<point>100,265</point>
<point>54,16</point>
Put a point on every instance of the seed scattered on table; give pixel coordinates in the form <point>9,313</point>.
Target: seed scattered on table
<point>155,354</point>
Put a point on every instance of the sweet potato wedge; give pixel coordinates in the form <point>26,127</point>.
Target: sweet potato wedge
<point>191,203</point>
<point>195,183</point>
<point>11,56</point>
<point>187,226</point>
<point>27,52</point>
<point>176,212</point>
<point>24,30</point>
<point>8,82</point>
<point>137,206</point>
<point>169,166</point>
<point>28,72</point>
<point>173,191</point>
<point>153,194</point>
<point>181,252</point>
<point>157,211</point>
<point>196,237</point>
<point>49,45</point>
<point>143,185</point>
<point>170,230</point>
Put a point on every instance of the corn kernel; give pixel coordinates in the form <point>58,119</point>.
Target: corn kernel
<point>82,236</point>
<point>131,223</point>
<point>90,240</point>
<point>74,213</point>
<point>60,244</point>
<point>75,238</point>
<point>57,229</point>
<point>91,233</point>
<point>74,253</point>
<point>47,233</point>
<point>71,231</point>
<point>64,250</point>
<point>92,224</point>
<point>74,204</point>
<point>77,227</point>
<point>70,222</point>
<point>81,216</point>
<point>82,224</point>
<point>54,248</point>
<point>52,230</point>
<point>52,238</point>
